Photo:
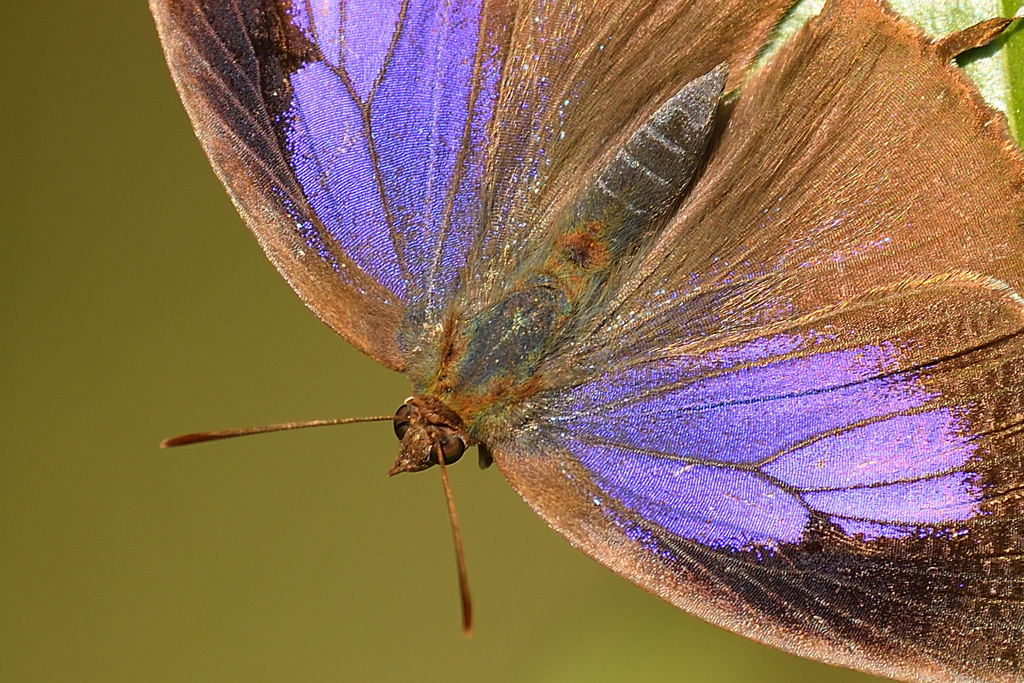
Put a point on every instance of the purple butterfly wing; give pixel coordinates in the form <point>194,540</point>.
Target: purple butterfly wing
<point>801,416</point>
<point>394,157</point>
<point>351,138</point>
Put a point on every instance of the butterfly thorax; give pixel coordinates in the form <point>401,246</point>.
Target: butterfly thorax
<point>487,366</point>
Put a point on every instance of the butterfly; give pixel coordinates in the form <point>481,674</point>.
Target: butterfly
<point>762,356</point>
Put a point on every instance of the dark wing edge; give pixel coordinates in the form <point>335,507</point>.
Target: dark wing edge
<point>217,73</point>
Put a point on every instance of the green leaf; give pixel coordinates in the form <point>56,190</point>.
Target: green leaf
<point>1013,61</point>
<point>997,69</point>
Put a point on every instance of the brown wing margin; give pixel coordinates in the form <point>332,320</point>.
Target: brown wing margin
<point>229,59</point>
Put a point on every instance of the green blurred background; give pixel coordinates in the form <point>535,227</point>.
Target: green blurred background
<point>135,306</point>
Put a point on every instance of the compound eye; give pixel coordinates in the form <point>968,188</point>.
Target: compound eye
<point>403,420</point>
<point>452,447</point>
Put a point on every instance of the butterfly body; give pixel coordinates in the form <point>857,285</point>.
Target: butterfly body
<point>780,384</point>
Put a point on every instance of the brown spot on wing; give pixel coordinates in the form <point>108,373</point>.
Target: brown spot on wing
<point>583,250</point>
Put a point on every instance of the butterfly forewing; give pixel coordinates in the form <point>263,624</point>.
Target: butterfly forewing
<point>351,137</point>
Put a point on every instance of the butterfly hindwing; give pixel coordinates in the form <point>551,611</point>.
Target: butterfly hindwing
<point>800,416</point>
<point>849,499</point>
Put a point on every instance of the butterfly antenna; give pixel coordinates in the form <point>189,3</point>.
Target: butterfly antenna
<point>460,557</point>
<point>200,437</point>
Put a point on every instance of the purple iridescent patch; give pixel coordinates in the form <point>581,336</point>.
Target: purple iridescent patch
<point>836,432</point>
<point>387,135</point>
<point>902,447</point>
<point>717,506</point>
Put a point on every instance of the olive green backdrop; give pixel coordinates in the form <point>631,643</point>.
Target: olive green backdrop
<point>134,305</point>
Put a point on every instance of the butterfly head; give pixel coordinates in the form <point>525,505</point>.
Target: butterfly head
<point>428,429</point>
